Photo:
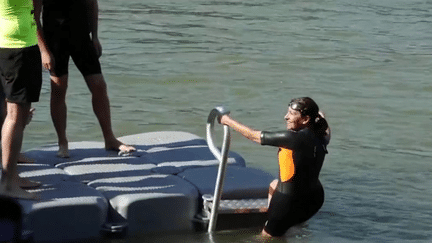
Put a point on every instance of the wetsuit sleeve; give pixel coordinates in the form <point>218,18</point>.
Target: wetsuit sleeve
<point>286,139</point>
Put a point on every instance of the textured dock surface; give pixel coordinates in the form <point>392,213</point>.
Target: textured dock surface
<point>155,189</point>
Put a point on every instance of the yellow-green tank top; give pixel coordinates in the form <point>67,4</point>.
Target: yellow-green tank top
<point>17,24</point>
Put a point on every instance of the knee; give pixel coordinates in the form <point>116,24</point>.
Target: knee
<point>96,83</point>
<point>17,114</point>
<point>58,86</point>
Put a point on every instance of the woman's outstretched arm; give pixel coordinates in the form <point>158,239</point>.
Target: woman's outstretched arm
<point>247,132</point>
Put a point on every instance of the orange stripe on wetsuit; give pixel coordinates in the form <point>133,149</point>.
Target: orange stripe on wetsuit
<point>286,164</point>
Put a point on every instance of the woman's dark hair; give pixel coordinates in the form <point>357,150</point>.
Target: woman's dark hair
<point>307,107</point>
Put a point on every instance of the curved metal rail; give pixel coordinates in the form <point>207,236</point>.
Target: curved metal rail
<point>222,156</point>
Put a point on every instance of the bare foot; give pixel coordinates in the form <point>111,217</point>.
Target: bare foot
<point>15,191</point>
<point>24,159</point>
<point>28,184</point>
<point>116,145</point>
<point>63,151</point>
<point>265,236</point>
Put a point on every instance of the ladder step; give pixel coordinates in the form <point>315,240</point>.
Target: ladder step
<point>239,206</point>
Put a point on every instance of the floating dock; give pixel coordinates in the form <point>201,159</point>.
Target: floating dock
<point>166,185</point>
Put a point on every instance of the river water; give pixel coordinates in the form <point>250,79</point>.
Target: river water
<point>366,63</point>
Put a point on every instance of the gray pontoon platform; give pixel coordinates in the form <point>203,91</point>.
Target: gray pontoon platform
<point>158,188</point>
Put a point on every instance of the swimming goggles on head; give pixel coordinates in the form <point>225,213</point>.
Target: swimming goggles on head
<point>297,107</point>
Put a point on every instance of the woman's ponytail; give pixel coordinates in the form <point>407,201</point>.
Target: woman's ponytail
<point>320,126</point>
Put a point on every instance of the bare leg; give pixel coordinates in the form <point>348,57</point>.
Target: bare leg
<point>3,107</point>
<point>101,108</point>
<point>272,189</point>
<point>265,235</point>
<point>12,135</point>
<point>59,112</point>
<point>22,158</point>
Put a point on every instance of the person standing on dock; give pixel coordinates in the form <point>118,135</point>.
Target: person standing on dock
<point>21,63</point>
<point>71,30</point>
<point>298,194</point>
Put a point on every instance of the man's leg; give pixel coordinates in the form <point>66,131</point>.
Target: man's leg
<point>12,136</point>
<point>101,108</point>
<point>59,112</point>
<point>21,158</point>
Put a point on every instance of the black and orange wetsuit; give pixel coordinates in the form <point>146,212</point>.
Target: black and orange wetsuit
<point>299,194</point>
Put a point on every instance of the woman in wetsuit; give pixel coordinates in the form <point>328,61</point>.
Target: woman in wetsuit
<point>298,194</point>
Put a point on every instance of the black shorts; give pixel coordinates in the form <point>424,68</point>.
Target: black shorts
<point>21,74</point>
<point>287,210</point>
<point>65,38</point>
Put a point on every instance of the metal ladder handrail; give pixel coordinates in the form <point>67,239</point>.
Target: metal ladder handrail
<point>222,156</point>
